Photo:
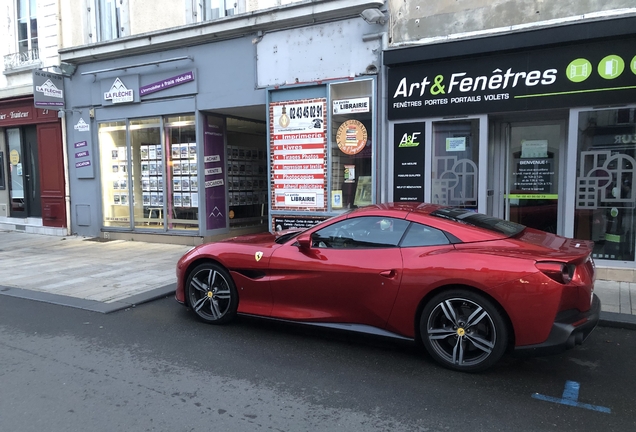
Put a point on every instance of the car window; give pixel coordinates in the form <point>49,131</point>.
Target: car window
<point>479,220</point>
<point>422,235</point>
<point>361,232</point>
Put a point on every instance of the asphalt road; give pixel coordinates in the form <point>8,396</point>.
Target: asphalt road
<point>155,368</point>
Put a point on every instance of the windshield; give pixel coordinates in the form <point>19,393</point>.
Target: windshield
<point>479,220</point>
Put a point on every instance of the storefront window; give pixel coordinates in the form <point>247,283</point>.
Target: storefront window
<point>605,198</point>
<point>455,168</point>
<point>351,145</point>
<point>114,169</point>
<point>155,176</point>
<point>147,172</point>
<point>183,182</point>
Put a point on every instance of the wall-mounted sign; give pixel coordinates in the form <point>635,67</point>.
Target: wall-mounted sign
<point>118,93</point>
<point>166,83</point>
<point>14,116</point>
<point>82,126</point>
<point>592,73</point>
<point>408,162</point>
<point>214,160</point>
<point>298,150</point>
<point>351,137</point>
<point>298,116</point>
<point>48,90</point>
<point>280,223</point>
<point>349,106</point>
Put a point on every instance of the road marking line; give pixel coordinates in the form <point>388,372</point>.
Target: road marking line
<point>570,397</point>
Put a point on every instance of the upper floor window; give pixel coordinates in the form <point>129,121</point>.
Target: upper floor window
<point>213,9</point>
<point>27,28</point>
<point>108,19</point>
<point>26,52</point>
<point>206,10</point>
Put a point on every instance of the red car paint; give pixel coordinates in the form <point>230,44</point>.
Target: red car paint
<point>386,288</point>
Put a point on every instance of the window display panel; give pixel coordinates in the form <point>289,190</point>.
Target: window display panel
<point>147,172</point>
<point>182,175</point>
<point>114,173</point>
<point>455,167</point>
<point>605,197</point>
<point>351,145</point>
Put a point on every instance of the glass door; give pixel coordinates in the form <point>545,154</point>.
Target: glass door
<point>458,163</point>
<point>24,172</point>
<point>531,156</point>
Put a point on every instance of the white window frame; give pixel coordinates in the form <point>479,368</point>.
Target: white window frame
<point>202,10</point>
<point>29,15</point>
<point>103,28</point>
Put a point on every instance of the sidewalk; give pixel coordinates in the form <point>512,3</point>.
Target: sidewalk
<point>112,275</point>
<point>85,273</point>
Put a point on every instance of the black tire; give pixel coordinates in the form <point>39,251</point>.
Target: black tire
<point>463,330</point>
<point>212,294</point>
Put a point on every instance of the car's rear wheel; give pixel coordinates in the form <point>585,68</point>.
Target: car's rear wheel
<point>463,330</point>
<point>212,294</point>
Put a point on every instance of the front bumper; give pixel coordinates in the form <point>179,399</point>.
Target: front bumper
<point>567,332</point>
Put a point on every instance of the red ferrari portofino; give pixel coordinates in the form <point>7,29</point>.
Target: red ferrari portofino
<point>467,285</point>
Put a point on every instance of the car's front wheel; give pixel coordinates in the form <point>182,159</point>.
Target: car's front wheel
<point>212,294</point>
<point>463,330</point>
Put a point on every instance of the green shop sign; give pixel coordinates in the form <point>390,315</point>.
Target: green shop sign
<point>594,73</point>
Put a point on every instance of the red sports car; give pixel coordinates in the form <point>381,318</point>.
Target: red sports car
<point>467,285</point>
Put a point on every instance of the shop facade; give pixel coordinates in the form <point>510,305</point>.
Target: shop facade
<point>32,180</point>
<point>535,127</point>
<point>212,139</point>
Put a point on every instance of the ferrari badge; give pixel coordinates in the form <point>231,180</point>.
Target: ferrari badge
<point>258,256</point>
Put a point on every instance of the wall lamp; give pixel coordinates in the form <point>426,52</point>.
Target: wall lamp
<point>373,16</point>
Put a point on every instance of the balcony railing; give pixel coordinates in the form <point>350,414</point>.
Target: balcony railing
<point>21,59</point>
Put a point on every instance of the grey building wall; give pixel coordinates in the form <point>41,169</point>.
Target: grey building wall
<point>224,78</point>
<point>231,78</point>
<point>415,20</point>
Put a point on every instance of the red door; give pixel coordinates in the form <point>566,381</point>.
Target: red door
<point>51,161</point>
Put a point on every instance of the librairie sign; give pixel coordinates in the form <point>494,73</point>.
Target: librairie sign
<point>567,76</point>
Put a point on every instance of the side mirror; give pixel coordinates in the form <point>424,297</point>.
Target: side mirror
<point>304,241</point>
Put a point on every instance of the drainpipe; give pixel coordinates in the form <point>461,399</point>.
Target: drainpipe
<point>386,153</point>
<point>67,189</point>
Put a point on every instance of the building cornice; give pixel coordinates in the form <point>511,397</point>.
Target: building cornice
<point>295,15</point>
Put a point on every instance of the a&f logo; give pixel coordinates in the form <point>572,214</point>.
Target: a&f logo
<point>410,140</point>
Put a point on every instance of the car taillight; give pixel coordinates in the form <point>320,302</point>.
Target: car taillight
<point>559,272</point>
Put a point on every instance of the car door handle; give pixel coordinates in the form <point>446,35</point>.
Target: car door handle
<point>388,273</point>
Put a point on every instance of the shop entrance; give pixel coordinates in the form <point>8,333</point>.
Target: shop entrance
<point>525,181</point>
<point>24,178</point>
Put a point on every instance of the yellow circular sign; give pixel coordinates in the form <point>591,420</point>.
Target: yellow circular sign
<point>351,137</point>
<point>14,157</point>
